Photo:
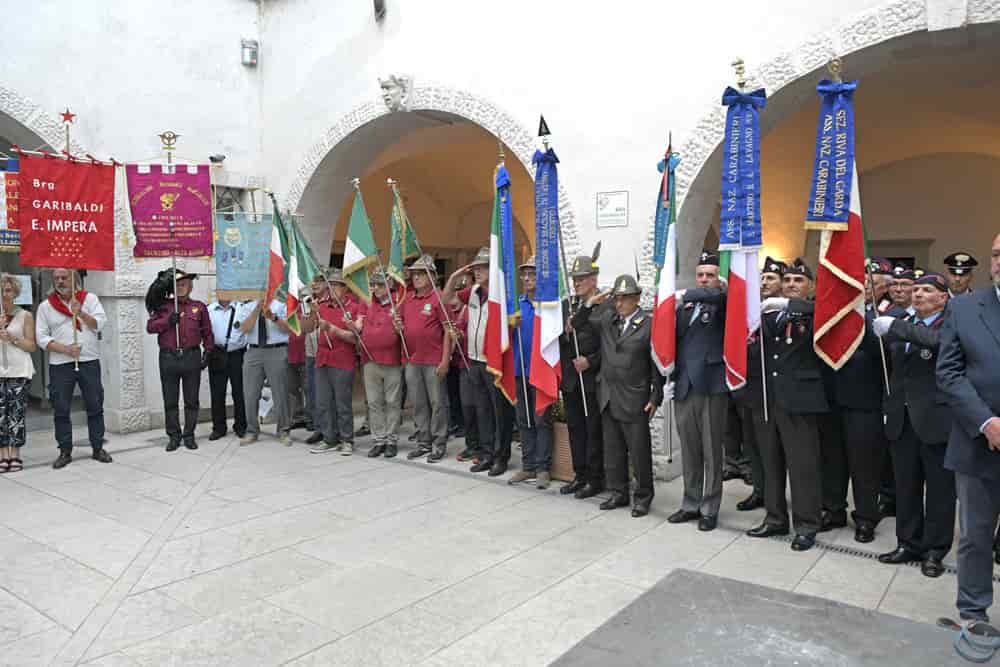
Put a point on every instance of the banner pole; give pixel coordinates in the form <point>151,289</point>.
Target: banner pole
<point>452,330</point>
<point>881,343</point>
<point>76,321</point>
<point>524,380</point>
<point>392,303</point>
<point>3,347</point>
<point>576,341</point>
<point>169,141</point>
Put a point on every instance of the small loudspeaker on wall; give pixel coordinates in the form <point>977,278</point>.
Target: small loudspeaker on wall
<point>379,9</point>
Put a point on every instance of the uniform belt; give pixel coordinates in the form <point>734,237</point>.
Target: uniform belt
<point>269,345</point>
<point>183,349</point>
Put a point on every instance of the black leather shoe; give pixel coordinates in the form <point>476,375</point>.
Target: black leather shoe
<point>572,487</point>
<point>482,466</point>
<point>932,567</point>
<point>498,468</point>
<point>588,490</point>
<point>64,459</point>
<point>898,556</point>
<point>173,444</point>
<point>615,501</point>
<point>683,516</point>
<point>314,438</point>
<point>101,455</point>
<point>996,556</point>
<point>707,523</point>
<point>767,530</point>
<point>748,478</point>
<point>886,508</point>
<point>390,451</point>
<point>418,452</point>
<point>189,442</point>
<point>437,453</point>
<point>831,520</point>
<point>215,435</point>
<point>803,542</point>
<point>864,533</point>
<point>376,451</point>
<point>751,502</point>
<point>641,509</point>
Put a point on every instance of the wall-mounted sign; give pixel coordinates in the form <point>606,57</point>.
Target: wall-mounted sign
<point>612,209</point>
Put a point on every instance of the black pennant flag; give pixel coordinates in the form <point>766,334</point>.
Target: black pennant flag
<point>543,128</point>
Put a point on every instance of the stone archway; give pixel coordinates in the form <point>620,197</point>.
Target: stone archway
<point>340,138</point>
<point>868,42</point>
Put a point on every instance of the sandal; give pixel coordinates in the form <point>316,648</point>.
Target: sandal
<point>4,465</point>
<point>15,465</point>
<point>977,642</point>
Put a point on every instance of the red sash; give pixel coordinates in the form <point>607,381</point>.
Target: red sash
<point>63,309</point>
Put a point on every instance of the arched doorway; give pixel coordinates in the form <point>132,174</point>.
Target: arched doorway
<point>442,147</point>
<point>926,141</point>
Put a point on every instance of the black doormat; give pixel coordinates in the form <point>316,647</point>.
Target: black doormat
<point>690,618</point>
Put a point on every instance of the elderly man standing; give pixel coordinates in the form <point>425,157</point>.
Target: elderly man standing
<point>628,391</point>
<point>968,373</point>
<point>73,359</point>
<point>267,332</point>
<point>382,371</point>
<point>422,319</point>
<point>701,398</point>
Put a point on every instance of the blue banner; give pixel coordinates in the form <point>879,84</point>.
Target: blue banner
<point>739,224</point>
<point>546,225</point>
<point>664,206</point>
<point>242,254</point>
<point>833,170</point>
<point>507,241</point>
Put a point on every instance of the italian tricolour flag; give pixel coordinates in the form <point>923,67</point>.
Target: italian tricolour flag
<point>742,312</point>
<point>499,353</point>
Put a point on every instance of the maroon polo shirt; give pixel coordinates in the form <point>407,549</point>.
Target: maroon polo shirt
<point>422,327</point>
<point>331,350</point>
<point>195,326</point>
<point>380,336</point>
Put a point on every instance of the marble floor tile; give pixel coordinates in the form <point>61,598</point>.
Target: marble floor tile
<point>482,598</point>
<point>113,660</point>
<point>37,650</point>
<point>141,617</point>
<point>762,561</point>
<point>350,599</point>
<point>19,620</point>
<point>61,588</point>
<point>847,579</point>
<point>543,628</point>
<point>260,635</point>
<point>914,596</point>
<point>245,582</point>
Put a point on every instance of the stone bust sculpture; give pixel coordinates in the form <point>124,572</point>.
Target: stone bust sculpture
<point>396,92</point>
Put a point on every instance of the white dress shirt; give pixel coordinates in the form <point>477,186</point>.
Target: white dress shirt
<point>51,325</point>
<point>274,334</point>
<point>220,316</point>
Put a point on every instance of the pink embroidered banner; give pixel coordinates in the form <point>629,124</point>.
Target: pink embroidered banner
<point>171,209</point>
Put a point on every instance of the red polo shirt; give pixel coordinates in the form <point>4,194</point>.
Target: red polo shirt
<point>422,327</point>
<point>380,335</point>
<point>331,350</point>
<point>296,349</point>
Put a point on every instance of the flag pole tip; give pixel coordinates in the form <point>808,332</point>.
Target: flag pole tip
<point>543,127</point>
<point>836,68</point>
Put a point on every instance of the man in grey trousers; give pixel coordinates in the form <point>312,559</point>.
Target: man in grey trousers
<point>266,357</point>
<point>701,398</point>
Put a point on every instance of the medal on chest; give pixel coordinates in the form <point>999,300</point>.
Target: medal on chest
<point>926,354</point>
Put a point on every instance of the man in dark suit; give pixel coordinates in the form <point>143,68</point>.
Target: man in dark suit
<point>961,266</point>
<point>852,441</point>
<point>789,437</point>
<point>580,356</point>
<point>701,398</point>
<point>917,424</point>
<point>877,283</point>
<point>749,398</point>
<point>629,389</point>
<point>968,373</point>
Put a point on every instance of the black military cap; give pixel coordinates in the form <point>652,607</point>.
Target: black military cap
<point>903,273</point>
<point>935,279</point>
<point>708,258</point>
<point>879,266</point>
<point>960,263</point>
<point>625,285</point>
<point>775,266</point>
<point>799,268</point>
<point>182,275</point>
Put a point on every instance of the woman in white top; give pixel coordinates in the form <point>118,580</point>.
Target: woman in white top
<point>17,342</point>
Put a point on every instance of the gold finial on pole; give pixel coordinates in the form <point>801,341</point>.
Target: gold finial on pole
<point>836,68</point>
<point>356,182</point>
<point>741,71</point>
<point>500,154</point>
<point>169,141</point>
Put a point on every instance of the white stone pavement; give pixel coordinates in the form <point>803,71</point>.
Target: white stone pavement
<point>267,555</point>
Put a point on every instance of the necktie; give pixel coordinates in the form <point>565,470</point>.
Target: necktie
<point>261,329</point>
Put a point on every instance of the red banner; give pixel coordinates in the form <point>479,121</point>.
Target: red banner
<point>67,214</point>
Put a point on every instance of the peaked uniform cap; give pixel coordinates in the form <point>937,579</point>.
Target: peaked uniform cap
<point>960,263</point>
<point>775,266</point>
<point>708,258</point>
<point>799,268</point>
<point>626,285</point>
<point>880,266</point>
<point>528,264</point>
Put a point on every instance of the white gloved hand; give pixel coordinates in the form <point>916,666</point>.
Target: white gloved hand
<point>773,303</point>
<point>881,325</point>
<point>668,391</point>
<point>679,295</point>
